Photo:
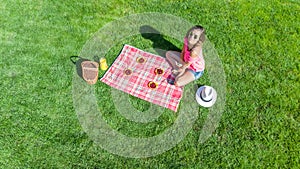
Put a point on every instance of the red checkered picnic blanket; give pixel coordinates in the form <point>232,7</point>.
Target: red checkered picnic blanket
<point>136,83</point>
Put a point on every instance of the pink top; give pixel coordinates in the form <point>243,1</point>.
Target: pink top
<point>198,63</point>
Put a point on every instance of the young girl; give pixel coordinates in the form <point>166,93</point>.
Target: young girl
<point>189,64</point>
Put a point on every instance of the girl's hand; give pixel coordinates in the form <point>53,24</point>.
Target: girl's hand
<point>180,70</point>
<point>185,66</point>
<point>178,64</point>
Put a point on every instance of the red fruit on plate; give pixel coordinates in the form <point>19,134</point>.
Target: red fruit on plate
<point>159,71</point>
<point>141,60</point>
<point>128,72</point>
<point>152,85</point>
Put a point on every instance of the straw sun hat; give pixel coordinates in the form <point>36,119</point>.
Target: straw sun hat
<point>206,96</point>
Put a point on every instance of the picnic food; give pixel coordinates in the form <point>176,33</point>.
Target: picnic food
<point>158,71</point>
<point>103,64</point>
<point>141,60</point>
<point>127,72</point>
<point>152,85</point>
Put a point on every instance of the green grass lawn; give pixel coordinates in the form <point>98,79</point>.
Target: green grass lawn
<point>257,42</point>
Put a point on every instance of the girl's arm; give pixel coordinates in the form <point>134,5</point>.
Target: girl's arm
<point>194,54</point>
<point>184,67</point>
<point>182,53</point>
<point>196,51</point>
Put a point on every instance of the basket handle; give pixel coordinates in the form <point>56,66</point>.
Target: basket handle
<point>74,59</point>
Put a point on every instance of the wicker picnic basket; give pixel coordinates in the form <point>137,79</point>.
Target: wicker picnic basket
<point>90,71</point>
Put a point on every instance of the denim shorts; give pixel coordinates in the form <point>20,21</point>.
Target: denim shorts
<point>197,75</point>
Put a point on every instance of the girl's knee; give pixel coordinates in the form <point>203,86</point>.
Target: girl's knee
<point>178,83</point>
<point>168,54</point>
<point>183,80</point>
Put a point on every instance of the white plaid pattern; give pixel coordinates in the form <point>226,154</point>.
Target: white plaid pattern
<point>136,84</point>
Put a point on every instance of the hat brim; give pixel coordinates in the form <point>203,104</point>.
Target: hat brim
<point>206,103</point>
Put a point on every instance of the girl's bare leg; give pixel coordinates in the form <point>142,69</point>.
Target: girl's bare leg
<point>173,58</point>
<point>184,79</point>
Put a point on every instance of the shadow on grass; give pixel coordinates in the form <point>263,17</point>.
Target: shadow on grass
<point>160,44</point>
